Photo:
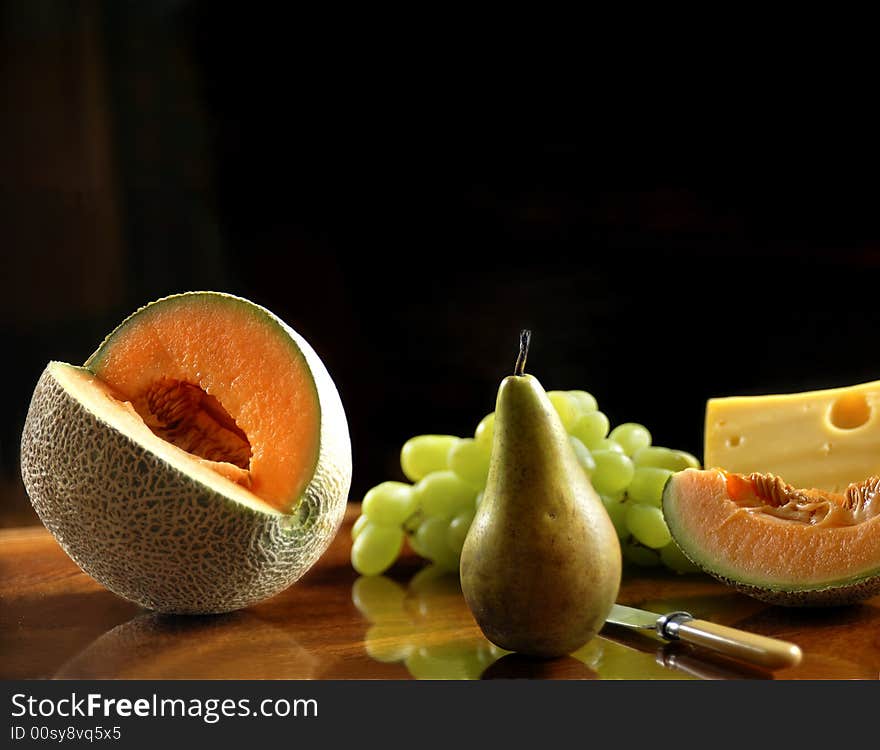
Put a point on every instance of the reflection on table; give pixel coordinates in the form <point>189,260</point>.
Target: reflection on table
<point>426,626</point>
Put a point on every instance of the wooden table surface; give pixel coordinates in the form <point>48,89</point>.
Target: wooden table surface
<point>56,622</point>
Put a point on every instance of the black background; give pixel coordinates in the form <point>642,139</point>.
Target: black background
<point>408,202</point>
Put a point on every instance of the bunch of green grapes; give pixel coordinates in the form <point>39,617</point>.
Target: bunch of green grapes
<point>448,475</point>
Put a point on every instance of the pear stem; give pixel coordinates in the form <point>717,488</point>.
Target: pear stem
<point>525,336</point>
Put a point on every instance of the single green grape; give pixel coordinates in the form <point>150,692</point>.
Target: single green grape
<point>647,485</point>
<point>674,559</point>
<point>566,407</point>
<point>613,472</point>
<point>443,494</point>
<point>412,538</point>
<point>378,598</point>
<point>485,431</point>
<point>590,428</point>
<point>583,455</point>
<point>458,529</point>
<point>689,458</point>
<point>617,513</point>
<point>663,458</point>
<point>470,460</point>
<point>423,454</point>
<point>631,437</point>
<point>389,503</point>
<point>376,549</point>
<point>585,402</point>
<point>646,524</point>
<point>607,444</point>
<point>640,555</point>
<point>431,538</point>
<point>358,526</point>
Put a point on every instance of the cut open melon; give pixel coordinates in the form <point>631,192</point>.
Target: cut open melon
<point>221,379</point>
<point>775,542</point>
<point>199,462</point>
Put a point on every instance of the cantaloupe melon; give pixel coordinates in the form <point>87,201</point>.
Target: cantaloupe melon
<point>199,462</point>
<point>777,543</point>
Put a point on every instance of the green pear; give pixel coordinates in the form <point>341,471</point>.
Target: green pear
<point>540,567</point>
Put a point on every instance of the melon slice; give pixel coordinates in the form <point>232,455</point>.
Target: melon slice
<point>775,542</point>
<point>200,461</point>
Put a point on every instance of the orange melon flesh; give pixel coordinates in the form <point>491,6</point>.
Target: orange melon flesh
<point>224,383</point>
<point>762,549</point>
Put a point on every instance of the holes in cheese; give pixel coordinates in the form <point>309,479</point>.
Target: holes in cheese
<point>849,411</point>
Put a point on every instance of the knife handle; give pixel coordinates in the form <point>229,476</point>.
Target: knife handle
<point>738,644</point>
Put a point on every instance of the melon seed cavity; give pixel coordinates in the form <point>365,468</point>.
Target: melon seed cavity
<point>770,494</point>
<point>184,415</point>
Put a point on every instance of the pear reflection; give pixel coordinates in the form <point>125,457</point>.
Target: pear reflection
<point>518,667</point>
<point>425,625</point>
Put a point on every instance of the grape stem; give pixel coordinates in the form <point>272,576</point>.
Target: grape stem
<point>525,336</point>
<point>414,516</point>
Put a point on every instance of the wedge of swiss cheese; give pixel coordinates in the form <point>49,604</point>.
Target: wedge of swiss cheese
<point>823,439</point>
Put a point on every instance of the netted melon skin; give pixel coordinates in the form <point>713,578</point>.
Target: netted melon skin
<point>154,536</point>
<point>830,596</point>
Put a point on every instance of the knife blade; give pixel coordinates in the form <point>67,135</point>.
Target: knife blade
<point>766,652</point>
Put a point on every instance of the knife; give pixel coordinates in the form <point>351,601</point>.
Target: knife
<point>769,653</point>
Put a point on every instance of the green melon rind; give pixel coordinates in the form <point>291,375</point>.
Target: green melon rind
<point>286,335</point>
<point>829,594</point>
<point>157,537</point>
